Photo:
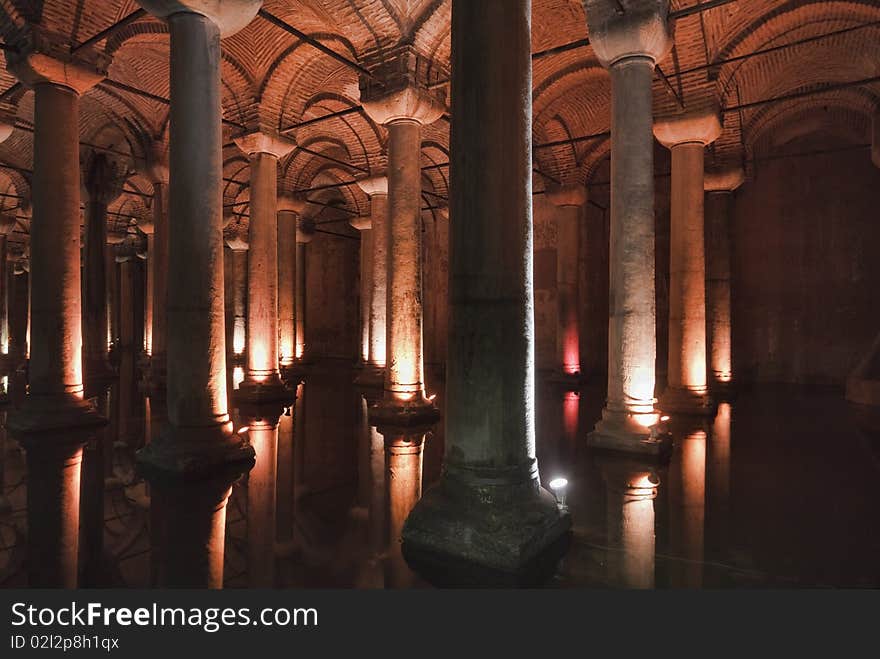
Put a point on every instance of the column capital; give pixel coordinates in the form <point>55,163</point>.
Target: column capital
<point>236,237</point>
<point>568,195</point>
<point>628,28</point>
<point>40,57</point>
<point>305,230</point>
<point>261,142</point>
<point>374,185</point>
<point>115,237</point>
<point>228,15</point>
<point>291,203</point>
<point>723,180</point>
<point>363,223</point>
<point>398,89</point>
<point>146,225</point>
<point>102,179</point>
<point>156,163</point>
<point>702,127</point>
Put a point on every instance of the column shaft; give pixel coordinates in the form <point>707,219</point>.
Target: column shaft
<point>95,320</point>
<point>404,381</point>
<point>379,298</point>
<point>159,299</point>
<point>300,300</point>
<point>366,263</point>
<point>287,286</point>
<point>239,273</point>
<point>568,352</point>
<point>4,298</point>
<point>150,293</point>
<point>718,258</point>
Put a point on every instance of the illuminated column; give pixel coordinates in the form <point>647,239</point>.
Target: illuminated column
<point>489,508</point>
<point>403,105</point>
<point>126,308</point>
<point>7,224</point>
<point>718,483</point>
<point>376,188</point>
<point>365,226</point>
<point>102,183</point>
<point>305,231</point>
<point>719,187</point>
<point>568,200</point>
<point>147,228</point>
<point>687,136</point>
<point>403,474</point>
<point>55,420</point>
<point>239,247</point>
<point>628,44</point>
<point>289,207</point>
<point>157,302</point>
<point>192,465</point>
<point>630,492</point>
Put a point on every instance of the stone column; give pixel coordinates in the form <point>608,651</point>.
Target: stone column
<point>365,226</point>
<point>157,248</point>
<point>262,380</point>
<point>102,183</point>
<point>376,188</point>
<point>55,420</point>
<point>192,464</point>
<point>239,247</point>
<point>7,225</point>
<point>403,104</point>
<point>631,489</point>
<point>18,314</point>
<point>719,187</point>
<point>569,200</point>
<point>687,136</point>
<point>305,231</point>
<point>628,45</point>
<point>289,207</point>
<point>489,508</point>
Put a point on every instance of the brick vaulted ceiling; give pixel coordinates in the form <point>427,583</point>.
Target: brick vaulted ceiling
<point>776,68</point>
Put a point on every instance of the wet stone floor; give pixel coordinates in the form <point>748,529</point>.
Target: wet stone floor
<point>777,490</point>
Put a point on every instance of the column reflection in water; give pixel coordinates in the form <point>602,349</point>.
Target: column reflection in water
<point>284,493</point>
<point>631,487</point>
<point>262,433</point>
<point>404,450</point>
<point>688,505</point>
<point>97,466</point>
<point>718,481</point>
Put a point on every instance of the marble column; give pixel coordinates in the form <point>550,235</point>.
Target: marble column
<point>193,463</point>
<point>19,312</point>
<point>157,256</point>
<point>102,184</point>
<point>239,266</point>
<point>289,208</point>
<point>403,106</point>
<point>262,380</point>
<point>687,136</point>
<point>365,226</point>
<point>489,509</point>
<point>628,45</point>
<point>569,200</point>
<point>55,419</point>
<point>305,231</point>
<point>376,187</point>
<point>720,186</point>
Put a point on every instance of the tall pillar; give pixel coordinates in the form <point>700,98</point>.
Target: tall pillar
<point>304,233</point>
<point>719,187</point>
<point>376,187</point>
<point>289,207</point>
<point>239,265</point>
<point>403,104</point>
<point>157,262</point>
<point>102,183</point>
<point>18,313</point>
<point>7,224</point>
<point>569,200</point>
<point>262,380</point>
<point>193,463</point>
<point>489,509</point>
<point>628,44</point>
<point>687,136</point>
<point>365,226</point>
<point>55,420</point>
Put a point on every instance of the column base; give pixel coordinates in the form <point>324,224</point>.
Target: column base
<point>371,376</point>
<point>621,433</point>
<point>398,414</point>
<point>678,400</point>
<point>723,391</point>
<point>254,393</point>
<point>457,535</point>
<point>186,454</point>
<point>74,419</point>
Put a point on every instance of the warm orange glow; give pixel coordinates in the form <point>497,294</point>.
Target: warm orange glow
<point>259,366</point>
<point>237,376</point>
<point>287,349</point>
<point>571,352</point>
<point>238,339</point>
<point>570,408</point>
<point>300,350</point>
<point>646,420</point>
